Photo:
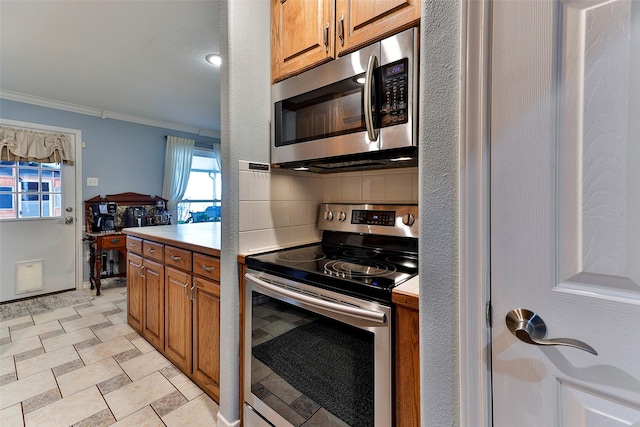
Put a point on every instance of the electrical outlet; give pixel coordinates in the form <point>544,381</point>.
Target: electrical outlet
<point>92,182</point>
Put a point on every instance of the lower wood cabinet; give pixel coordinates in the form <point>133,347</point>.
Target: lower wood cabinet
<point>206,334</point>
<point>407,360</point>
<point>135,286</point>
<point>175,305</point>
<point>153,303</point>
<point>178,314</point>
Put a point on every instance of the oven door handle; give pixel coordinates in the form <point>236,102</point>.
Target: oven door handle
<point>360,313</point>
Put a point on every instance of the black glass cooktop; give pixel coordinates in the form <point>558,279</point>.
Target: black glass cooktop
<point>356,270</point>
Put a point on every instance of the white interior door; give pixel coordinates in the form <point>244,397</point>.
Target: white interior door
<point>39,246</point>
<point>565,210</point>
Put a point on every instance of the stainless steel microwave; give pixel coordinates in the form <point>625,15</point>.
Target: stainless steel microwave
<point>356,112</point>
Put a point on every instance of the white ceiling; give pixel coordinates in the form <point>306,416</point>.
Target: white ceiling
<point>136,60</point>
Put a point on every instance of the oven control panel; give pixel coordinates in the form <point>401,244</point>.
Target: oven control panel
<point>391,220</point>
<point>383,218</point>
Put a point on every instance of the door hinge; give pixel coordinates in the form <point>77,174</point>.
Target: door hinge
<point>488,313</point>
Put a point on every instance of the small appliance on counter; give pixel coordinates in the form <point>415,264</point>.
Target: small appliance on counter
<point>161,216</point>
<point>135,216</point>
<point>104,216</point>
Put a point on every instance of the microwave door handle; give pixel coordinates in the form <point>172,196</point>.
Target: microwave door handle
<point>368,109</point>
<point>360,313</point>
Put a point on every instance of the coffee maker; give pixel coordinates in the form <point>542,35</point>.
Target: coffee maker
<point>104,216</point>
<point>135,216</point>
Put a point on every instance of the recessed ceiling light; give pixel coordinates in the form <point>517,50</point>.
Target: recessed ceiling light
<point>214,59</point>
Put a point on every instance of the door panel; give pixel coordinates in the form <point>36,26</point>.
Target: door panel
<point>38,255</point>
<point>565,209</point>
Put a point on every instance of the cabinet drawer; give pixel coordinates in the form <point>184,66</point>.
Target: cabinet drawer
<point>134,245</point>
<point>111,242</point>
<point>177,257</point>
<point>206,266</point>
<point>153,250</point>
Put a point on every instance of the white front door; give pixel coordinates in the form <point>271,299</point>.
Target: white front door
<point>39,234</point>
<point>565,210</point>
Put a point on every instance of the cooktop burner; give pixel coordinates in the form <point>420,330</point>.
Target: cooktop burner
<point>301,255</point>
<point>359,268</point>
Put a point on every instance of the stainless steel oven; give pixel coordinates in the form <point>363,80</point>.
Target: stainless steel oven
<point>356,112</point>
<point>318,320</point>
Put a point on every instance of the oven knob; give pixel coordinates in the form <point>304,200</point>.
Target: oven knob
<point>328,215</point>
<point>408,219</point>
<point>342,216</point>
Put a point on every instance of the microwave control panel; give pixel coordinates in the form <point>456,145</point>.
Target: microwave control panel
<point>394,79</point>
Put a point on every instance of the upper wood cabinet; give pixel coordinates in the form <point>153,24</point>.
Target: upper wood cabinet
<point>360,22</point>
<point>307,33</point>
<point>302,35</point>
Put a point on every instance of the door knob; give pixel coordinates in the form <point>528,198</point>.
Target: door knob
<point>528,327</point>
<point>68,220</point>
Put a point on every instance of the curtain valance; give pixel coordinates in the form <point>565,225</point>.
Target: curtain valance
<point>24,145</point>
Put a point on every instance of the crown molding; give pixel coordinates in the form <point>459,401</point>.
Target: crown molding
<point>104,114</point>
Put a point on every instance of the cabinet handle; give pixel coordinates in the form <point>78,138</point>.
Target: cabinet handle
<point>114,241</point>
<point>136,265</point>
<point>140,271</point>
<point>185,289</point>
<point>133,245</point>
<point>151,250</point>
<point>208,269</point>
<point>341,30</point>
<point>193,297</point>
<point>174,258</point>
<point>326,37</point>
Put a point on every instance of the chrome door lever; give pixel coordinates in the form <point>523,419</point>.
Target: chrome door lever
<point>528,327</point>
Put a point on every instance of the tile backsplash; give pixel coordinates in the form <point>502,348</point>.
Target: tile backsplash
<point>280,208</point>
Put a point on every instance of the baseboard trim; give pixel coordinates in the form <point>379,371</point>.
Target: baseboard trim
<point>222,422</point>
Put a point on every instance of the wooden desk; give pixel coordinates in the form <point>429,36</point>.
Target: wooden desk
<point>103,241</point>
<point>99,241</point>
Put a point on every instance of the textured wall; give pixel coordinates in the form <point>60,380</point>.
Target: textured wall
<point>246,97</point>
<point>438,188</point>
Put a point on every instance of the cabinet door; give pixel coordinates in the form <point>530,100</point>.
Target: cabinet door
<point>360,22</point>
<point>302,35</point>
<point>153,303</point>
<point>178,314</point>
<point>134,291</point>
<point>407,366</point>
<point>206,334</point>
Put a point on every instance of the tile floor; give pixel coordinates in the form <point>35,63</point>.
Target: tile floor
<point>82,365</point>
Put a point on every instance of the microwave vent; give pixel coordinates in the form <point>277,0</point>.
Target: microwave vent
<point>385,159</point>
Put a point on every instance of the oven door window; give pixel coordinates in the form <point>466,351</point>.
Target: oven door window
<point>309,367</point>
<point>333,110</point>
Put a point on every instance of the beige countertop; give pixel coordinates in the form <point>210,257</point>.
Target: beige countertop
<point>201,236</point>
<point>410,287</point>
<point>407,295</point>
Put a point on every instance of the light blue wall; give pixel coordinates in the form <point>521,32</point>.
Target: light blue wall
<point>124,156</point>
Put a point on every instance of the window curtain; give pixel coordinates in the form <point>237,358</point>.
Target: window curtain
<point>24,145</point>
<point>177,167</point>
<point>217,156</point>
